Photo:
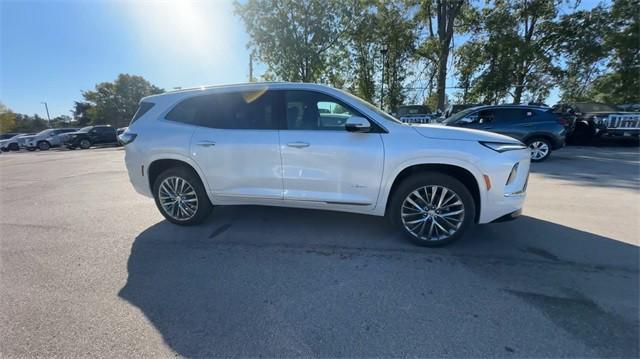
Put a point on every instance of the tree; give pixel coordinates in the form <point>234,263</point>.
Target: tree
<point>115,103</point>
<point>82,113</point>
<point>397,33</point>
<point>436,47</point>
<point>601,48</point>
<point>7,119</point>
<point>295,38</point>
<point>515,45</point>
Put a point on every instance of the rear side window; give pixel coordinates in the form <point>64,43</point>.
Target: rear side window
<point>142,109</point>
<point>232,110</point>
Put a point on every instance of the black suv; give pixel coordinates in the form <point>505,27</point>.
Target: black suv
<point>537,127</point>
<point>91,135</point>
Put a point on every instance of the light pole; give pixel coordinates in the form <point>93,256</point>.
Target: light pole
<point>383,51</point>
<point>48,117</point>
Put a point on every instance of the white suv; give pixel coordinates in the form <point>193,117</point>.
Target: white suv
<point>312,146</point>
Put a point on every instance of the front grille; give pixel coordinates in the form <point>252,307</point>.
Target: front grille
<point>623,121</point>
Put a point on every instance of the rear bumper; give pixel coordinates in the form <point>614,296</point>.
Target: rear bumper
<point>621,131</point>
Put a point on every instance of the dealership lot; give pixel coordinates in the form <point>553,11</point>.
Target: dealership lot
<point>89,267</point>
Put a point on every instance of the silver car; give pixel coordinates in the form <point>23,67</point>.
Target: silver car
<point>313,146</point>
<point>46,139</point>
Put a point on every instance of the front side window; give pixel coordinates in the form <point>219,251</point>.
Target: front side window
<point>230,110</point>
<point>307,110</point>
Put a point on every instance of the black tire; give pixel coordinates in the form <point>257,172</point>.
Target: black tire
<point>85,144</point>
<point>427,179</point>
<point>542,142</point>
<point>204,206</point>
<point>14,147</point>
<point>44,145</point>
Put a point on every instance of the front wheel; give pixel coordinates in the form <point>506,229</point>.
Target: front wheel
<point>85,144</point>
<point>44,145</point>
<point>181,197</point>
<point>540,149</point>
<point>432,209</point>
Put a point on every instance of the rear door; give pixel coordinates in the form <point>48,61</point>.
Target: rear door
<point>236,144</point>
<point>322,162</point>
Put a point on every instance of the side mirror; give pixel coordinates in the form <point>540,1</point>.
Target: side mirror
<point>357,124</point>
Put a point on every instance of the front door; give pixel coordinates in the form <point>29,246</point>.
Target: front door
<point>322,162</point>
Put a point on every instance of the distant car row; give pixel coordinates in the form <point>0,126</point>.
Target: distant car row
<point>541,127</point>
<point>71,138</point>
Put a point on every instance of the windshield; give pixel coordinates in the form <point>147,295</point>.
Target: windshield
<point>85,129</point>
<point>373,108</point>
<point>594,107</point>
<point>455,117</point>
<point>413,110</point>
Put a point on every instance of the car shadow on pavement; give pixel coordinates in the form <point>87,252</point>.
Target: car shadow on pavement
<point>229,287</point>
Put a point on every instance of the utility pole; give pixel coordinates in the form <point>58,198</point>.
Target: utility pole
<point>48,117</point>
<point>251,67</point>
<point>383,51</point>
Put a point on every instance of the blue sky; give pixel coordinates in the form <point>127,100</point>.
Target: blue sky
<point>52,50</point>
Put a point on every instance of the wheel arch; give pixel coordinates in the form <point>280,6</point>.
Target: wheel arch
<point>157,165</point>
<point>458,172</point>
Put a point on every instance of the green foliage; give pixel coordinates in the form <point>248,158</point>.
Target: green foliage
<point>7,119</point>
<point>115,103</point>
<point>296,39</point>
<point>83,113</point>
<point>511,54</point>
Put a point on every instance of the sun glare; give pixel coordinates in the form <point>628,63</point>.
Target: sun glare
<point>187,30</point>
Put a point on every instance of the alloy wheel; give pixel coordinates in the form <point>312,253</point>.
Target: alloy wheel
<point>432,213</point>
<point>539,150</point>
<point>178,198</point>
<point>84,144</point>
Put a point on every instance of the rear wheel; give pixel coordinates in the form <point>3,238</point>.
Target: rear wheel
<point>14,147</point>
<point>181,197</point>
<point>540,149</point>
<point>432,209</point>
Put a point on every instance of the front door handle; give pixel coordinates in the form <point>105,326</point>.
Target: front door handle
<point>298,144</point>
<point>206,143</point>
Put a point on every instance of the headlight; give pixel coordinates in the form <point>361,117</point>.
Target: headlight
<point>503,147</point>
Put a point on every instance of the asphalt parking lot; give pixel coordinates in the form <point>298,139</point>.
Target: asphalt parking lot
<point>89,268</point>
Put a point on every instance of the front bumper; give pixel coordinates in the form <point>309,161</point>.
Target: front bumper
<point>508,192</point>
<point>509,216</point>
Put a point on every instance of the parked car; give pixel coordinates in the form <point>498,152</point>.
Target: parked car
<point>596,119</point>
<point>6,136</point>
<point>453,109</point>
<point>14,143</point>
<point>414,114</point>
<point>91,135</point>
<point>537,127</point>
<point>193,149</point>
<point>46,139</point>
<point>629,107</point>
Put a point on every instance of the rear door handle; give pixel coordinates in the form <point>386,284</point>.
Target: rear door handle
<point>298,144</point>
<point>206,143</point>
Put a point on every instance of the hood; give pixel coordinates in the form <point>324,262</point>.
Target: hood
<point>443,132</point>
<point>24,138</point>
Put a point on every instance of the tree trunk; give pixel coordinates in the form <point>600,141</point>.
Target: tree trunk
<point>442,76</point>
